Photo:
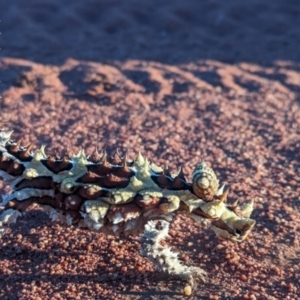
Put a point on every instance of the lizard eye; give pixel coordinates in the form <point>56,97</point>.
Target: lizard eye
<point>238,231</point>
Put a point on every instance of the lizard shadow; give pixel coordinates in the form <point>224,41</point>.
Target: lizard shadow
<point>29,253</point>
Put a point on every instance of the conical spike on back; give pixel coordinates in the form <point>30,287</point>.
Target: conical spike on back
<point>5,137</point>
<point>125,170</point>
<point>104,156</point>
<point>64,163</point>
<point>115,158</point>
<point>118,154</point>
<point>156,168</point>
<point>145,169</point>
<point>235,204</point>
<point>104,161</point>
<point>139,161</point>
<point>42,150</point>
<point>95,157</point>
<point>181,174</point>
<point>15,147</point>
<point>178,179</point>
<point>39,155</point>
<point>27,152</point>
<point>166,170</point>
<point>124,160</point>
<point>80,154</point>
<point>51,159</point>
<point>9,133</point>
<point>147,164</point>
<point>82,158</point>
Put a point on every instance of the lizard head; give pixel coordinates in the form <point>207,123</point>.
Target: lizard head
<point>232,225</point>
<point>231,222</point>
<point>228,222</point>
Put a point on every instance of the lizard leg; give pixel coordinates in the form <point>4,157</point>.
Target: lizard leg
<point>163,257</point>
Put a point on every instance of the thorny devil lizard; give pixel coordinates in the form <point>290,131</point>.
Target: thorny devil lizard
<point>129,197</point>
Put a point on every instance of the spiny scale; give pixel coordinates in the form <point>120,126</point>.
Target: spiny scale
<point>96,156</point>
<point>113,174</point>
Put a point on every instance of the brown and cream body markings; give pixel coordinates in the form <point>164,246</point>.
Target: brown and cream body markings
<point>127,197</point>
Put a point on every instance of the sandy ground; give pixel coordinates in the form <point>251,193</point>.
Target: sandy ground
<point>180,81</point>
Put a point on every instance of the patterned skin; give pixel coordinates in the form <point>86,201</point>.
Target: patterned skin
<point>131,197</point>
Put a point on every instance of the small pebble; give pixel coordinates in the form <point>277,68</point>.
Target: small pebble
<point>187,290</point>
